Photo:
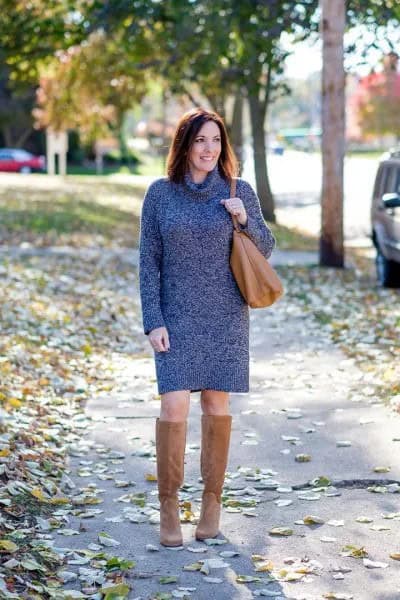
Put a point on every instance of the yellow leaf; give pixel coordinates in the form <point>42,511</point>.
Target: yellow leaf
<point>38,493</point>
<point>187,516</point>
<point>86,349</point>
<point>303,570</point>
<point>258,557</point>
<point>261,567</point>
<point>60,500</point>
<point>15,403</point>
<point>281,531</point>
<point>312,520</point>
<point>5,452</point>
<point>355,551</point>
<point>150,477</point>
<point>8,546</point>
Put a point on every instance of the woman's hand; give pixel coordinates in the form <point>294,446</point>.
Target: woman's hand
<point>159,339</point>
<point>236,207</point>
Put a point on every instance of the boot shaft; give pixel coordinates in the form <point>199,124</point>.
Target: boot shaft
<point>216,433</point>
<point>170,450</point>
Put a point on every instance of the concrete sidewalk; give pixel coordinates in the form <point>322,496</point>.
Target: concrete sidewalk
<point>307,399</point>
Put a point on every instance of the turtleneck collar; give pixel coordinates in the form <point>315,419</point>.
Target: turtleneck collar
<point>203,190</point>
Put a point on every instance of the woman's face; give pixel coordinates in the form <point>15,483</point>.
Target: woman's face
<point>205,151</point>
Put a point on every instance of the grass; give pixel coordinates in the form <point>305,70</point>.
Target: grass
<point>91,170</point>
<point>86,210</point>
<point>79,211</point>
<point>293,239</point>
<point>151,165</point>
<point>372,154</point>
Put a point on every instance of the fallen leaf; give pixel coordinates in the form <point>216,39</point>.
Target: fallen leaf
<point>281,531</point>
<point>107,540</point>
<point>370,564</point>
<point>247,579</point>
<point>338,596</point>
<point>362,519</point>
<point>302,458</point>
<point>8,545</point>
<point>312,520</point>
<point>354,551</point>
<point>167,580</point>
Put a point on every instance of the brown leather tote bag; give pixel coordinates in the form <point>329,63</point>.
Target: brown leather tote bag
<point>259,284</point>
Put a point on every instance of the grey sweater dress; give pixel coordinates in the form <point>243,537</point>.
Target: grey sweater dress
<point>187,286</point>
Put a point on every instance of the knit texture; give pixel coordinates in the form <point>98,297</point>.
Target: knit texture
<point>187,286</point>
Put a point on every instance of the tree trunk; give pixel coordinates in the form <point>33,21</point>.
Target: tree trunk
<point>236,128</point>
<point>217,103</point>
<point>120,134</point>
<point>333,16</point>
<point>257,116</point>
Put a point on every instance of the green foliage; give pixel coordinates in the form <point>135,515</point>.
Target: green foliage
<point>372,13</point>
<point>31,31</point>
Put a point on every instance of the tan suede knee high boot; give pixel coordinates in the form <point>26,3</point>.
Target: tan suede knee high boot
<point>170,448</point>
<point>215,438</point>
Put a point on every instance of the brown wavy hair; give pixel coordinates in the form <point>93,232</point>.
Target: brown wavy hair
<point>185,133</point>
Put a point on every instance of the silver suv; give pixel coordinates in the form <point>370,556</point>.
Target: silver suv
<point>385,219</point>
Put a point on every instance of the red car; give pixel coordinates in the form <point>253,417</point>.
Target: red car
<point>20,161</point>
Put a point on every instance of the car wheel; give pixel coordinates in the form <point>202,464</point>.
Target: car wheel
<point>387,271</point>
<point>25,169</point>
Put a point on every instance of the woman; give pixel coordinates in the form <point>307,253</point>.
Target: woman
<point>193,312</point>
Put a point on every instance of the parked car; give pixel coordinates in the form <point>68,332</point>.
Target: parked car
<point>15,160</point>
<point>385,219</point>
<point>274,146</point>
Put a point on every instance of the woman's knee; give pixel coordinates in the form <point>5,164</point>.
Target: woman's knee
<point>175,406</point>
<point>214,402</point>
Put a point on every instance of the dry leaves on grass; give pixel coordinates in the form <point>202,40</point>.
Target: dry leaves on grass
<point>61,318</point>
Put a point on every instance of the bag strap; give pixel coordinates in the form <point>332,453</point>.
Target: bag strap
<point>232,194</point>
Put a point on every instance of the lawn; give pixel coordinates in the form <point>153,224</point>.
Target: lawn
<point>89,210</point>
<point>76,211</point>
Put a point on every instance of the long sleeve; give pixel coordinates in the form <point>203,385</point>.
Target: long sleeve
<point>255,227</point>
<point>150,253</point>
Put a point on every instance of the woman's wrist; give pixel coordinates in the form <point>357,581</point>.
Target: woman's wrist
<point>242,220</point>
